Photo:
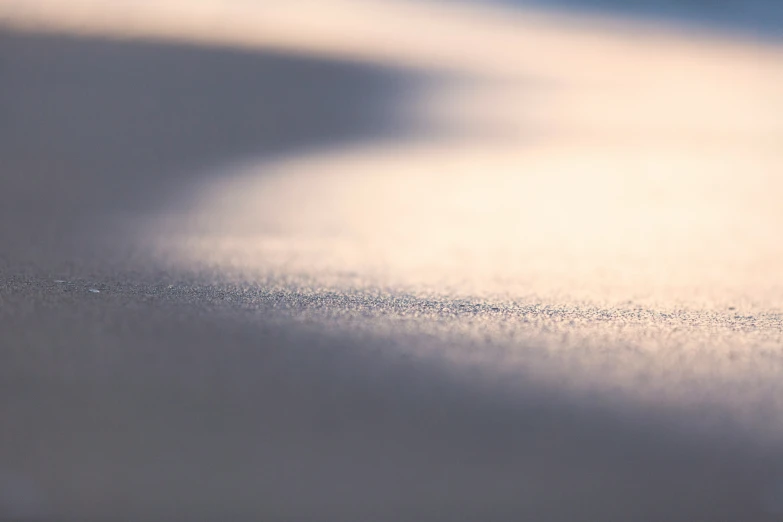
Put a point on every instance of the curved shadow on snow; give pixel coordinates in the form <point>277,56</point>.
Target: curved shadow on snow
<point>91,128</point>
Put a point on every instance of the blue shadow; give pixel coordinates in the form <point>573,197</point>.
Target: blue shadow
<point>757,18</point>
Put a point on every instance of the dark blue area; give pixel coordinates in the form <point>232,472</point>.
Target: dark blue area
<point>761,18</point>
